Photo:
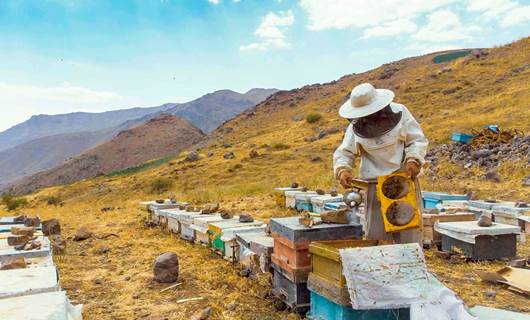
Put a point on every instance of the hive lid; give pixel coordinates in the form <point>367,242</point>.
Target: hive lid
<point>327,198</point>
<point>482,204</point>
<point>42,306</point>
<point>20,282</point>
<point>472,228</point>
<point>291,229</point>
<point>287,189</point>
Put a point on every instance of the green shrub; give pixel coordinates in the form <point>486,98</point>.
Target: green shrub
<point>141,167</point>
<point>13,203</point>
<point>450,56</point>
<point>313,117</point>
<point>160,185</point>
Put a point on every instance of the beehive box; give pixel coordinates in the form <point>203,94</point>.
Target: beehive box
<point>335,206</point>
<point>41,306</point>
<point>488,205</point>
<point>246,257</point>
<point>430,236</point>
<point>479,243</point>
<point>228,239</point>
<point>185,221</point>
<point>21,282</point>
<point>220,229</point>
<point>294,295</point>
<point>200,225</point>
<point>291,243</point>
<point>324,309</point>
<point>508,218</point>
<point>290,198</point>
<point>431,199</point>
<point>279,195</point>
<point>154,208</point>
<point>243,240</point>
<point>303,201</point>
<point>8,252</point>
<point>169,218</point>
<point>462,137</point>
<point>7,227</point>
<point>7,220</point>
<point>319,203</point>
<point>525,220</point>
<point>325,258</point>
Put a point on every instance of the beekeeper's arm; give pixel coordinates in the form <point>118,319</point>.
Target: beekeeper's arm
<point>344,156</point>
<point>415,145</point>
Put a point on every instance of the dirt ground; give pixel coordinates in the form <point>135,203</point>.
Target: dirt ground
<point>112,277</point>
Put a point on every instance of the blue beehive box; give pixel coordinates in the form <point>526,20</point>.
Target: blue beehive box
<point>324,309</point>
<point>303,201</point>
<point>461,137</point>
<point>335,206</point>
<point>431,199</point>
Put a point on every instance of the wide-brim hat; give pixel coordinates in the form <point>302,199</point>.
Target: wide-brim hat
<point>365,100</point>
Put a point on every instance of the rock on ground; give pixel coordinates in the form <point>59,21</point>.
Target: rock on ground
<point>82,234</point>
<point>166,268</point>
<point>32,222</point>
<point>50,227</point>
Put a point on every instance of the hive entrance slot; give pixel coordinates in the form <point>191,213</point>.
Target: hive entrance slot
<point>395,187</point>
<point>400,213</point>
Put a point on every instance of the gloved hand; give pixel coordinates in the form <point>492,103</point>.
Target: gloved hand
<point>345,179</point>
<point>412,168</point>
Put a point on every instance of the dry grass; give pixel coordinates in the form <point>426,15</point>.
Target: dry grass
<point>491,92</point>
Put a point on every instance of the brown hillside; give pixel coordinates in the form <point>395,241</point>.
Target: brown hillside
<point>159,137</point>
<point>458,95</point>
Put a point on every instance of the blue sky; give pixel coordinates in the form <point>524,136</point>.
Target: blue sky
<point>60,56</point>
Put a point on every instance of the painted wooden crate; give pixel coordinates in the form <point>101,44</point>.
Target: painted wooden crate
<point>248,258</point>
<point>488,205</point>
<point>40,306</point>
<point>324,309</point>
<point>319,203</point>
<point>292,240</point>
<point>303,201</point>
<point>294,295</point>
<point>479,243</point>
<point>187,232</point>
<point>325,257</point>
<point>290,198</point>
<point>335,206</point>
<point>200,225</point>
<point>228,238</point>
<point>279,195</point>
<point>430,236</point>
<point>461,137</point>
<point>154,209</point>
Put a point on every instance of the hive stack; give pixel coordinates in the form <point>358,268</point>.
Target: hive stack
<point>319,203</point>
<point>290,197</point>
<point>279,195</point>
<point>291,259</point>
<point>223,235</point>
<point>517,214</point>
<point>29,280</point>
<point>154,208</point>
<point>329,295</point>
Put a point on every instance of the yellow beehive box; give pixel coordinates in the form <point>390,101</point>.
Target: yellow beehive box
<point>397,194</point>
<point>325,258</point>
<point>279,195</point>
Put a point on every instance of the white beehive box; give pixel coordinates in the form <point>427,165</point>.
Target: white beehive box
<point>21,282</point>
<point>8,252</point>
<point>41,306</point>
<point>229,238</point>
<point>319,202</point>
<point>290,198</point>
<point>200,225</point>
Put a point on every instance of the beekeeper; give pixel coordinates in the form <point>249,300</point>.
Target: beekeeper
<point>387,138</point>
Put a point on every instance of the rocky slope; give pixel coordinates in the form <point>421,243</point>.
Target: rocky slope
<point>160,137</point>
<point>61,137</point>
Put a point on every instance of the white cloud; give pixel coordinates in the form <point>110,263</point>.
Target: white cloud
<point>271,31</point>
<point>391,28</point>
<point>516,16</point>
<point>491,8</point>
<point>444,26</point>
<point>340,14</point>
<point>214,1</point>
<point>19,102</point>
<point>424,48</point>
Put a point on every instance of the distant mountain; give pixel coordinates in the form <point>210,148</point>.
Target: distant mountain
<point>47,125</point>
<point>159,137</point>
<point>211,110</point>
<point>55,139</point>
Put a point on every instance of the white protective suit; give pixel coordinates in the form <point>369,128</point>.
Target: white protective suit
<point>381,156</point>
<point>386,154</point>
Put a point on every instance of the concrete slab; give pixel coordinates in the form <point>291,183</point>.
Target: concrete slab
<point>472,228</point>
<point>42,306</point>
<point>21,282</point>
